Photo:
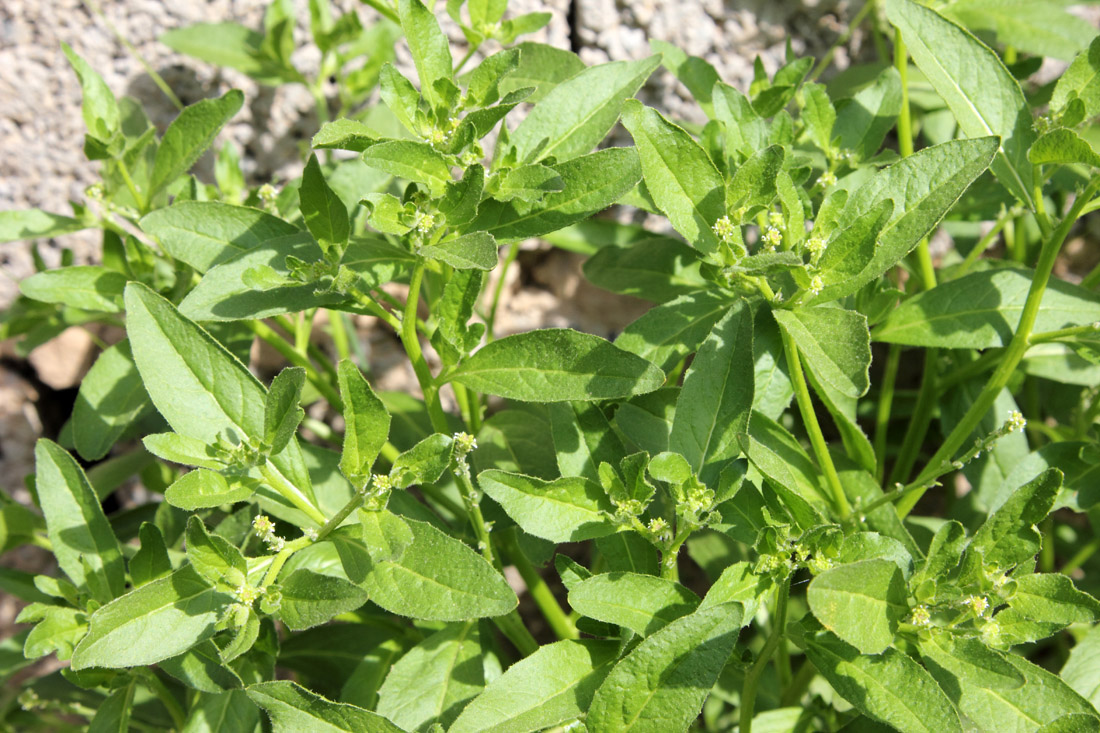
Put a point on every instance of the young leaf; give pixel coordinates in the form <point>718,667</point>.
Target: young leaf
<point>325,214</point>
<point>716,399</point>
<point>151,561</point>
<point>367,423</point>
<point>88,287</point>
<point>293,709</point>
<point>1043,605</point>
<point>110,400</point>
<point>430,50</point>
<point>746,131</point>
<point>577,114</point>
<point>1080,81</point>
<point>981,310</point>
<point>414,161</point>
<point>435,679</point>
<point>205,489</point>
<point>206,233</point>
<point>835,344</point>
<point>190,135</point>
<point>100,108</point>
<point>695,73</point>
<point>888,687</point>
<point>345,134</point>
<point>436,578</point>
<point>590,183</point>
<point>552,686</point>
<point>657,269</point>
<point>662,683</point>
<point>863,121</point>
<point>849,252</point>
<point>310,599</point>
<point>557,365</point>
<point>154,622</point>
<point>231,45</point>
<point>476,250</point>
<point>583,439</point>
<point>214,557</point>
<point>1009,537</point>
<point>861,602</point>
<point>201,668</point>
<point>82,539</point>
<point>564,510</point>
<point>424,463</point>
<point>282,414</point>
<point>541,67</point>
<point>983,95</point>
<point>1063,146</point>
<point>970,659</point>
<point>642,603</point>
<point>679,175</point>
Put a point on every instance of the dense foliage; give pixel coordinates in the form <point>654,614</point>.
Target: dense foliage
<point>734,547</point>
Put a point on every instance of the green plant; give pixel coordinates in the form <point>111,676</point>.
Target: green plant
<point>723,426</point>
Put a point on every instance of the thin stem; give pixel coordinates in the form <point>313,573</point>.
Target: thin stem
<point>798,685</point>
<point>465,59</point>
<point>983,244</point>
<point>291,493</point>
<point>1091,280</point>
<point>1021,340</point>
<point>809,419</point>
<point>559,622</point>
<point>411,340</point>
<point>1081,556</point>
<point>752,677</point>
<point>157,687</point>
<point>1065,333</point>
<point>477,520</point>
<point>920,421</point>
<point>280,559</point>
<point>338,518</point>
<point>905,124</point>
<point>490,321</point>
<point>966,372</point>
<point>139,198</point>
<point>339,333</point>
<point>303,328</point>
<point>295,357</point>
<point>827,59</point>
<point>376,310</point>
<point>384,8</point>
<point>885,403</point>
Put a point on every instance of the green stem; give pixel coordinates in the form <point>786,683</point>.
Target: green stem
<point>375,309</point>
<point>295,357</point>
<point>511,625</point>
<point>1046,551</point>
<point>1081,556</point>
<point>905,120</point>
<point>885,403</point>
<point>280,559</point>
<point>139,199</point>
<point>339,332</point>
<point>827,59</point>
<point>384,8</point>
<point>752,677</point>
<point>920,420</point>
<point>1064,333</point>
<point>983,244</point>
<point>966,372</point>
<point>1021,340</point>
<point>1091,280</point>
<point>157,687</point>
<point>466,59</point>
<point>291,493</point>
<point>540,592</point>
<point>322,430</point>
<point>338,518</point>
<point>813,429</point>
<point>303,327</point>
<point>490,321</point>
<point>798,685</point>
<point>411,340</point>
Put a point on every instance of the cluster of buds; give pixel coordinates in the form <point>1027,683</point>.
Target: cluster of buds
<point>816,247</point>
<point>724,229</point>
<point>241,455</point>
<point>267,194</point>
<point>659,531</point>
<point>978,604</point>
<point>425,223</point>
<point>464,444</point>
<point>265,530</point>
<point>816,285</point>
<point>771,238</point>
<point>1015,421</point>
<point>828,178</point>
<point>376,492</point>
<point>920,617</point>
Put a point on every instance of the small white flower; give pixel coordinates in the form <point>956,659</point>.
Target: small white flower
<point>1015,421</point>
<point>920,617</point>
<point>723,229</point>
<point>427,221</point>
<point>816,284</point>
<point>828,178</point>
<point>772,237</point>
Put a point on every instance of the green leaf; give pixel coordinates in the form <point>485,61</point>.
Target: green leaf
<point>110,399</point>
<point>776,454</point>
<point>293,709</point>
<point>424,463</point>
<point>88,287</point>
<point>282,414</point>
<point>923,187</point>
<point>888,687</point>
<point>590,183</point>
<point>1063,146</point>
<point>154,622</point>
<point>201,668</point>
<point>556,365</point>
<point>738,584</point>
<point>863,121</point>
<point>658,269</point>
<point>206,233</point>
<point>100,108</point>
<point>1009,537</point>
<point>861,602</point>
<point>970,659</point>
<point>476,250</point>
<point>849,252</point>
<point>189,135</point>
<point>669,332</point>
<point>981,310</point>
<point>204,489</point>
<point>642,603</point>
<point>1080,81</point>
<point>983,95</point>
<point>151,561</point>
<point>577,114</point>
<point>367,424</point>
<point>1041,699</point>
<point>58,630</point>
<point>414,161</point>
<point>1082,670</point>
<point>551,687</point>
<point>564,510</point>
<point>214,557</point>
<point>34,224</point>
<point>716,398</point>
<point>754,183</point>
<point>695,73</point>
<point>679,174</point>
<point>436,578</point>
<point>515,440</point>
<point>528,183</point>
<point>583,439</point>
<point>1043,605</point>
<point>1072,723</point>
<point>197,385</point>
<point>434,680</point>
<point>746,131</point>
<point>310,599</point>
<point>79,533</point>
<point>325,214</point>
<point>231,45</point>
<point>541,67</point>
<point>835,344</point>
<point>345,134</point>
<point>1036,27</point>
<point>430,50</point>
<point>662,683</point>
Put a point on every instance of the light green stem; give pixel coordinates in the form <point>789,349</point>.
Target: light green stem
<point>291,493</point>
<point>1021,340</point>
<point>297,358</point>
<point>541,594</point>
<point>885,403</point>
<point>752,677</point>
<point>411,341</point>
